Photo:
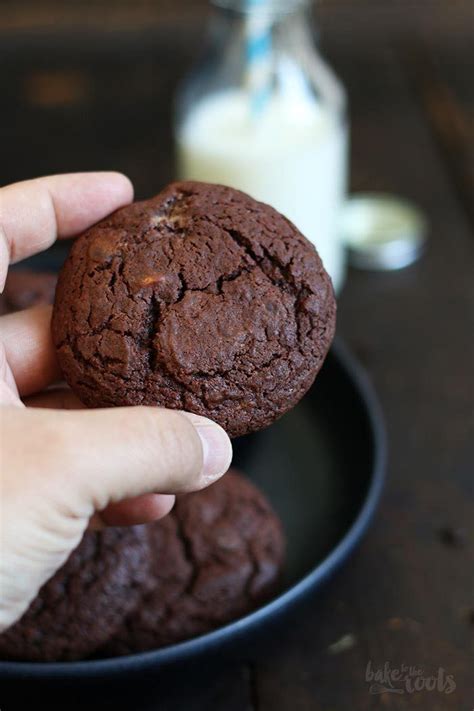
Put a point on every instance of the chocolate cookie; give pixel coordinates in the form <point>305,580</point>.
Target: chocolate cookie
<point>217,556</point>
<point>200,299</point>
<point>85,602</point>
<point>25,288</point>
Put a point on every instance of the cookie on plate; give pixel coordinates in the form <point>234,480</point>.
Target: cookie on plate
<point>25,288</point>
<point>201,299</point>
<point>217,556</point>
<point>85,602</point>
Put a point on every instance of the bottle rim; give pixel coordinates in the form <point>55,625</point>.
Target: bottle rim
<point>264,7</point>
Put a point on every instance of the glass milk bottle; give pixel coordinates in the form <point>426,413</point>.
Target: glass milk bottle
<point>265,114</point>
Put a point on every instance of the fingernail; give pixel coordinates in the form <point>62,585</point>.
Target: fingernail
<point>216,448</point>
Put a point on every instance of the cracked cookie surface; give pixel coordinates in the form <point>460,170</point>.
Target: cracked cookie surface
<point>215,557</point>
<point>85,602</point>
<point>201,299</point>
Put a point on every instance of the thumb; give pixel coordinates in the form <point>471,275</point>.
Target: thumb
<point>115,454</point>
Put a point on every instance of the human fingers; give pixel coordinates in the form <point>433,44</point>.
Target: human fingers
<point>130,512</point>
<point>29,349</point>
<point>57,398</point>
<point>141,509</point>
<point>78,463</point>
<point>34,213</point>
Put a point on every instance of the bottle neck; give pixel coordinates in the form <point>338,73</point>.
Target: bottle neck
<point>262,7</point>
<point>284,22</point>
<point>266,10</point>
<point>289,67</point>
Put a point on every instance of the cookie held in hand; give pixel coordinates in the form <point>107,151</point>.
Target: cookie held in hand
<point>200,299</point>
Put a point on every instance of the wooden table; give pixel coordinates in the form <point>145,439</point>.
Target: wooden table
<point>89,99</point>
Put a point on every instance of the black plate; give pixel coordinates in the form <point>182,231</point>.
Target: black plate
<point>322,467</point>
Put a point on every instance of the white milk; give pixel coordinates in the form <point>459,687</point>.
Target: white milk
<point>293,157</point>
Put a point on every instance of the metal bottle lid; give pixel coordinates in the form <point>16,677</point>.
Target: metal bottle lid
<point>382,232</point>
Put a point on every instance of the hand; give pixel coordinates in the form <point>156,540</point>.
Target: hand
<point>63,468</point>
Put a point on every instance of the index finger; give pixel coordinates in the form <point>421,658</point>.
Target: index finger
<point>34,213</point>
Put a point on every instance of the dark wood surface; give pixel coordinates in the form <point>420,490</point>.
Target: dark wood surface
<point>406,596</point>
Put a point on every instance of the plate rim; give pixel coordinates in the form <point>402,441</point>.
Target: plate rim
<point>185,650</point>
